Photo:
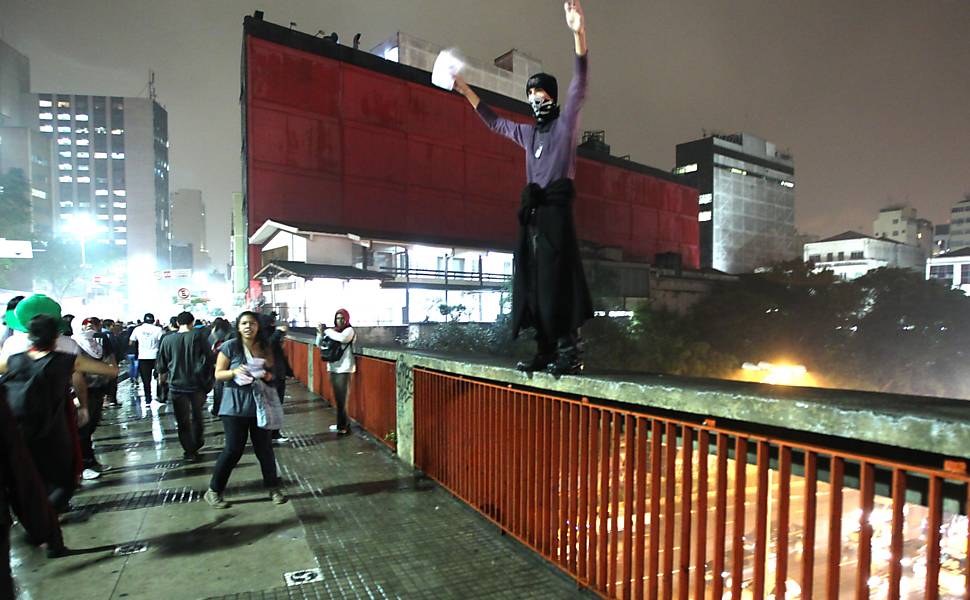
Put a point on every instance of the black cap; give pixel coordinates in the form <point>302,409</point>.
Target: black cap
<point>544,82</point>
<point>149,318</point>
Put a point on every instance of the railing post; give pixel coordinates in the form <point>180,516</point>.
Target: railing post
<point>405,410</point>
<point>309,367</point>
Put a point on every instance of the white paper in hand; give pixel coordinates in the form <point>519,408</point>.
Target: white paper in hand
<point>446,66</point>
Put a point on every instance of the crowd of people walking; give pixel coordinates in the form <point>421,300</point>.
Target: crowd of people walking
<point>57,379</point>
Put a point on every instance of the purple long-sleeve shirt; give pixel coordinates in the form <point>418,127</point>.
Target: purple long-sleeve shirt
<point>550,154</point>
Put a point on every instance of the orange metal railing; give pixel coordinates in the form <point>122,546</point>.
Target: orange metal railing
<point>373,398</point>
<point>373,389</point>
<point>635,505</point>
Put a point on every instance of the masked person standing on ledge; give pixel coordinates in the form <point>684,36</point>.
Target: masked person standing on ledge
<point>340,370</point>
<point>549,289</point>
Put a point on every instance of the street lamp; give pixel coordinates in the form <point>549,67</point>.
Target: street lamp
<point>83,227</point>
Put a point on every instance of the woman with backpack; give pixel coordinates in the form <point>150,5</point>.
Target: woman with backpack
<point>37,383</point>
<point>241,360</point>
<point>336,345</point>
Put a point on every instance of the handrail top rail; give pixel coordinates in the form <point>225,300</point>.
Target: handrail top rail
<point>925,424</point>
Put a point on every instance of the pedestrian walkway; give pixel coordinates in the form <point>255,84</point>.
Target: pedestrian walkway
<point>359,524</point>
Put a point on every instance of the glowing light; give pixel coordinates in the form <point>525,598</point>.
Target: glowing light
<point>777,374</point>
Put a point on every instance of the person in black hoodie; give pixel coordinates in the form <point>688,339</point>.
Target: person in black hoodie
<point>187,368</point>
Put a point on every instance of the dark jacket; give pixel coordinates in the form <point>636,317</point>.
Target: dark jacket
<point>185,358</point>
<point>21,488</point>
<point>548,266</point>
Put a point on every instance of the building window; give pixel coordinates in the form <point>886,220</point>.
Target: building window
<point>46,116</point>
<point>895,221</point>
<point>704,215</point>
<point>815,258</point>
<point>941,272</point>
<point>47,128</point>
<point>895,233</point>
<point>841,255</point>
<point>705,198</point>
<point>686,169</point>
<point>45,104</point>
<point>965,274</point>
<point>857,255</point>
<point>829,257</point>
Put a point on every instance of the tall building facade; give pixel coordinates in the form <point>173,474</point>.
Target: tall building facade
<point>941,239</point>
<point>960,225</point>
<point>112,169</point>
<point>746,207</point>
<point>24,150</point>
<point>902,224</point>
<point>15,106</point>
<point>188,225</point>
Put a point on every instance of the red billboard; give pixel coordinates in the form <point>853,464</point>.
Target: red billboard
<point>343,140</point>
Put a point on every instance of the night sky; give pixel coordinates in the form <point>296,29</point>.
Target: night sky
<point>872,97</point>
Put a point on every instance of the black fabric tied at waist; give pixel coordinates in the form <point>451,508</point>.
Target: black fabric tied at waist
<point>559,193</point>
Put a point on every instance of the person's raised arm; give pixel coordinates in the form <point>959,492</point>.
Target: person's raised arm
<point>465,90</point>
<point>576,21</point>
<point>510,129</point>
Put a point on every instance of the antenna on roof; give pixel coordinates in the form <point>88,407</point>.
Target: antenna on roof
<point>151,85</point>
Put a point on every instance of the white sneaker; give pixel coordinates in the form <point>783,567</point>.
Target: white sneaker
<point>89,474</point>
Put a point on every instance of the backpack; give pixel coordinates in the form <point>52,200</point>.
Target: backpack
<point>331,350</point>
<point>35,391</point>
<point>204,370</point>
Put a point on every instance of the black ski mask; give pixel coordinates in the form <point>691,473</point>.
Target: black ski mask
<point>545,111</point>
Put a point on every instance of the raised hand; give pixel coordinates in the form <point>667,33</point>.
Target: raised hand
<point>574,16</point>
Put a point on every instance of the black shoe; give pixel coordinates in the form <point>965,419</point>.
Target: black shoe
<point>57,550</point>
<point>539,362</point>
<point>190,457</point>
<point>566,364</point>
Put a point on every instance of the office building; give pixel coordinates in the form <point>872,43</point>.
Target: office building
<point>188,227</point>
<point>960,225</point>
<point>746,206</point>
<point>952,269</point>
<point>112,169</point>
<point>24,150</point>
<point>852,254</point>
<point>941,239</point>
<point>903,225</point>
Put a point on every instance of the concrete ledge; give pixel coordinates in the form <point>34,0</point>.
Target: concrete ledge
<point>937,426</point>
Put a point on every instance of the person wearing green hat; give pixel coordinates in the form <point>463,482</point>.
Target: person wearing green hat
<point>19,320</point>
<point>53,442</point>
